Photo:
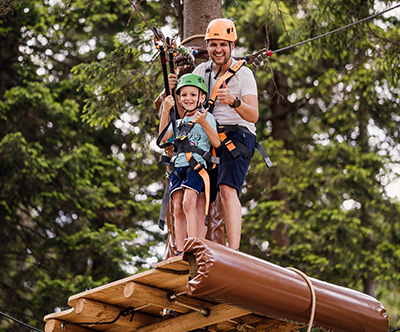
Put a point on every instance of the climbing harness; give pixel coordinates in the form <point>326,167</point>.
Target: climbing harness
<point>182,144</point>
<point>237,147</point>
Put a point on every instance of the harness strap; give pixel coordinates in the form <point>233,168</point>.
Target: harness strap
<point>226,77</point>
<point>199,168</point>
<point>237,147</point>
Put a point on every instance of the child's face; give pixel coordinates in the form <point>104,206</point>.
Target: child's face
<point>189,97</point>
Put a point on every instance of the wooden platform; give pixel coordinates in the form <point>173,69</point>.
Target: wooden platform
<point>148,294</point>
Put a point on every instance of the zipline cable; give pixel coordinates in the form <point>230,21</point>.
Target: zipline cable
<point>19,322</point>
<point>331,32</point>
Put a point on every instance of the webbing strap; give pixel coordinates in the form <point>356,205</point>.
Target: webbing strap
<point>164,206</point>
<point>231,71</point>
<point>236,147</point>
<point>199,168</point>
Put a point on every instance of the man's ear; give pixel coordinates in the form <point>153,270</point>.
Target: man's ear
<point>202,97</point>
<point>232,46</point>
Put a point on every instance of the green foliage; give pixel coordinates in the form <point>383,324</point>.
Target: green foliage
<point>77,207</point>
<point>80,181</point>
<point>334,105</point>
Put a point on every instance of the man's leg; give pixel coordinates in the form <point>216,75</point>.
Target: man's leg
<point>201,210</point>
<point>232,215</point>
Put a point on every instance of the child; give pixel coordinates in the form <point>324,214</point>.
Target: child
<point>196,130</point>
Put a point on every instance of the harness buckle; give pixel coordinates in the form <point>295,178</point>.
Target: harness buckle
<point>181,138</point>
<point>198,167</point>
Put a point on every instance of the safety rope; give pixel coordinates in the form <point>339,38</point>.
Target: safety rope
<point>191,38</point>
<point>269,53</point>
<point>123,313</point>
<point>313,297</point>
<point>19,322</point>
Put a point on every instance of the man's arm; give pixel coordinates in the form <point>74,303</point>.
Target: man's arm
<point>164,119</point>
<point>248,109</point>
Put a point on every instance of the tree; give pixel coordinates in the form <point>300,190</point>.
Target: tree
<point>323,101</point>
<point>80,174</point>
<point>75,201</point>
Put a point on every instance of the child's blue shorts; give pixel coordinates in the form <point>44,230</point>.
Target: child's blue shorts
<point>193,181</point>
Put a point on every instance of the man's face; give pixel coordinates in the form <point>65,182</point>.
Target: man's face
<point>219,51</point>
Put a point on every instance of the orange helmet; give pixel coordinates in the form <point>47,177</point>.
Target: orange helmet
<point>221,28</point>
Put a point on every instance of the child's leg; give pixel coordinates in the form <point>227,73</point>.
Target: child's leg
<point>190,209</point>
<point>180,219</point>
<point>201,210</point>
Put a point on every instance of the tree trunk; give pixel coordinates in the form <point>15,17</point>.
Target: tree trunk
<point>280,111</point>
<point>196,16</point>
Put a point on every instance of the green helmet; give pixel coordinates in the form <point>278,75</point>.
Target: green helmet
<point>191,80</point>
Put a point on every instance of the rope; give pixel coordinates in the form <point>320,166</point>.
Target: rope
<point>333,31</point>
<point>19,322</point>
<point>395,330</point>
<point>313,297</point>
<point>125,312</point>
<point>191,38</point>
<point>204,311</point>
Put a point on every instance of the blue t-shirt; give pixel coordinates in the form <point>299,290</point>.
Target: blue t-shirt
<point>197,137</point>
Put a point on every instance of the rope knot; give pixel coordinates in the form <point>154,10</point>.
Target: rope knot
<point>241,327</point>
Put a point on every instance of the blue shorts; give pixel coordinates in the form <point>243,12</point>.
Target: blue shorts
<point>232,171</point>
<point>192,180</point>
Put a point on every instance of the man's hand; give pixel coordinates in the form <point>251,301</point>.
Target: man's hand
<point>173,80</point>
<point>224,96</point>
<point>168,103</point>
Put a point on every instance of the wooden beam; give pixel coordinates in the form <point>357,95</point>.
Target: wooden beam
<point>54,325</point>
<point>94,311</point>
<point>64,315</point>
<point>274,325</point>
<point>112,293</point>
<point>195,320</point>
<point>159,297</point>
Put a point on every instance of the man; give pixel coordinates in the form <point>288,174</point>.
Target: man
<point>236,110</point>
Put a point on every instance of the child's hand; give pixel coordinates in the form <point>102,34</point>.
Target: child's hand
<point>200,118</point>
<point>168,103</point>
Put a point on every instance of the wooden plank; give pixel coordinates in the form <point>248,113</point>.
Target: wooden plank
<point>159,297</point>
<point>195,320</point>
<point>273,325</point>
<point>64,315</point>
<point>112,293</point>
<point>95,311</point>
<point>54,325</point>
<point>174,264</point>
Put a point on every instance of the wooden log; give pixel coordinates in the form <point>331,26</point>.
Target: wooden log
<point>94,311</point>
<point>54,325</point>
<point>195,320</point>
<point>274,325</point>
<point>64,315</point>
<point>159,297</point>
<point>112,293</point>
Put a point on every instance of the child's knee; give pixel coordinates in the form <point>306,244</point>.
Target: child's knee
<point>189,202</point>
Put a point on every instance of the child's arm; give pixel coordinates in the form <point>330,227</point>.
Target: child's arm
<point>164,119</point>
<point>212,134</point>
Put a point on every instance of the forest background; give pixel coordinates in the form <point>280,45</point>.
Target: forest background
<point>80,181</point>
